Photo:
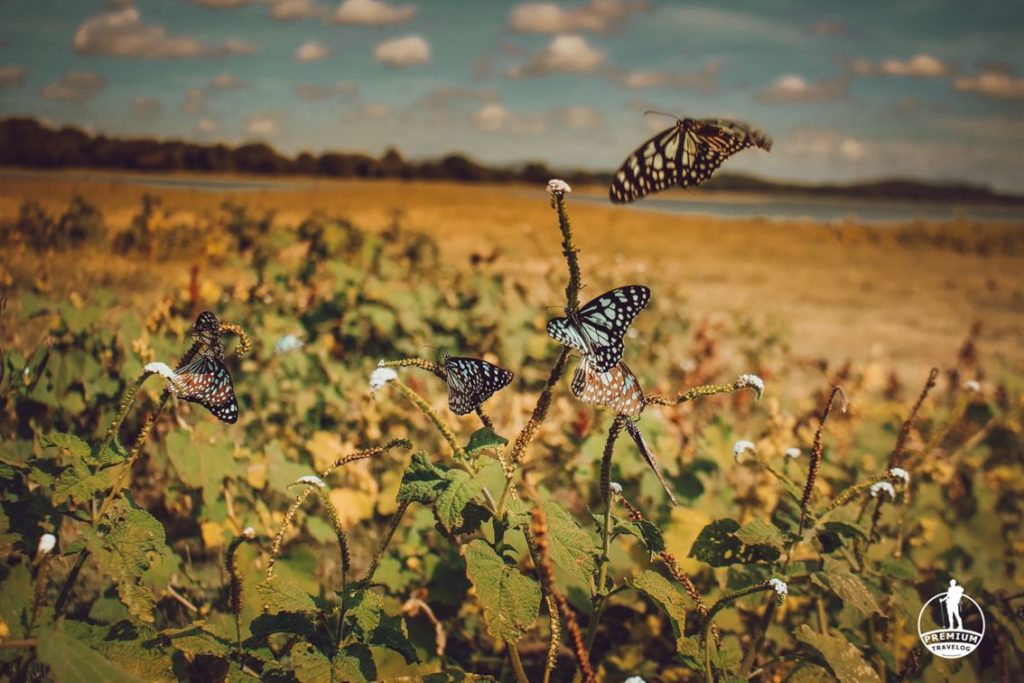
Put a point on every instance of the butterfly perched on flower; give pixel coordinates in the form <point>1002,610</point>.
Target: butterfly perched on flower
<point>206,329</point>
<point>648,456</point>
<point>617,389</point>
<point>471,381</point>
<point>597,328</point>
<point>686,154</point>
<point>206,381</point>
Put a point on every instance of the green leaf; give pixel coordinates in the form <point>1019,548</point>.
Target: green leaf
<point>572,549</point>
<point>354,663</point>
<point>71,444</point>
<point>422,482</point>
<point>459,490</point>
<point>79,484</point>
<point>647,532</point>
<point>759,532</point>
<point>72,661</point>
<point>718,545</point>
<point>200,465</point>
<point>846,661</point>
<point>668,597</point>
<point>196,639</point>
<point>484,438</point>
<point>850,589</point>
<point>309,664</point>
<point>124,546</point>
<point>898,567</point>
<point>279,594</point>
<point>373,626</point>
<point>509,599</point>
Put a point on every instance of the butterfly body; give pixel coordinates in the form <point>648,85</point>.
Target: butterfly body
<point>617,389</point>
<point>471,381</point>
<point>598,327</point>
<point>206,381</point>
<point>686,155</point>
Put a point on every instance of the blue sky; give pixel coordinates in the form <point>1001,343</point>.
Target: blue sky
<point>849,90</point>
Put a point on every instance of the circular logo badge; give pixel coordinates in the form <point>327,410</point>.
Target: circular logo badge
<point>941,623</point>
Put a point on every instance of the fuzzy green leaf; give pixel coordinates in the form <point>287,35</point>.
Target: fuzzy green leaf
<point>846,661</point>
<point>459,490</point>
<point>572,549</point>
<point>509,599</point>
<point>484,438</point>
<point>758,532</point>
<point>74,447</point>
<point>647,532</point>
<point>422,482</point>
<point>668,597</point>
<point>718,545</point>
<point>79,484</point>
<point>200,466</point>
<point>279,594</point>
<point>72,661</point>
<point>850,589</point>
<point>354,663</point>
<point>196,639</point>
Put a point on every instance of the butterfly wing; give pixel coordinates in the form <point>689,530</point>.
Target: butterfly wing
<point>563,331</point>
<point>206,381</point>
<point>652,166</point>
<point>603,322</point>
<point>472,381</point>
<point>648,456</point>
<point>714,141</point>
<point>618,389</point>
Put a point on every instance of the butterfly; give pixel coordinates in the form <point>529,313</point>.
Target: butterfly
<point>652,462</point>
<point>687,154</point>
<point>206,329</point>
<point>206,381</point>
<point>597,328</point>
<point>472,381</point>
<point>617,389</point>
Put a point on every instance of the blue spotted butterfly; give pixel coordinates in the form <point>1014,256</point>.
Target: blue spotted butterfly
<point>686,154</point>
<point>618,389</point>
<point>205,379</point>
<point>471,381</point>
<point>597,328</point>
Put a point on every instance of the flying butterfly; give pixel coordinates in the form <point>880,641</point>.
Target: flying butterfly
<point>597,328</point>
<point>648,455</point>
<point>618,389</point>
<point>686,154</point>
<point>472,381</point>
<point>206,381</point>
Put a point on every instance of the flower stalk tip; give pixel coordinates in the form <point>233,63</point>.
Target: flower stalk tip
<point>900,473</point>
<point>793,452</point>
<point>752,381</point>
<point>741,447</point>
<point>883,487</point>
<point>46,545</point>
<point>381,376</point>
<point>558,188</point>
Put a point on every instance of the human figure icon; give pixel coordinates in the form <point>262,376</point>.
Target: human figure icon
<point>953,597</point>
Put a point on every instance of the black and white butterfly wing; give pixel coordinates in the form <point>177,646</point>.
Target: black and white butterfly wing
<point>206,329</point>
<point>206,381</point>
<point>687,155</point>
<point>648,456</point>
<point>598,327</point>
<point>472,381</point>
<point>617,389</point>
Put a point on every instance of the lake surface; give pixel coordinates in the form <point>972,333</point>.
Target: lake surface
<point>828,210</point>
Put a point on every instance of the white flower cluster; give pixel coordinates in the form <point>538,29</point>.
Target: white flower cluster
<point>249,532</point>
<point>972,386</point>
<point>741,447</point>
<point>634,679</point>
<point>164,371</point>
<point>46,545</point>
<point>883,487</point>
<point>900,473</point>
<point>312,480</point>
<point>780,588</point>
<point>287,343</point>
<point>615,487</point>
<point>381,376</point>
<point>752,381</point>
<point>793,452</point>
<point>558,187</point>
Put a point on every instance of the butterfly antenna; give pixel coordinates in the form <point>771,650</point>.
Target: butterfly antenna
<point>660,113</point>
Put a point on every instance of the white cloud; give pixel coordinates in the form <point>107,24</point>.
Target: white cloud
<point>122,33</point>
<point>375,110</point>
<point>596,16</point>
<point>794,88</point>
<point>147,107</point>
<point>851,149</point>
<point>225,82</point>
<point>921,66</point>
<point>997,84</point>
<point>706,79</point>
<point>402,52</point>
<point>315,92</point>
<point>261,126</point>
<point>372,13</point>
<point>289,10</point>
<point>826,144</point>
<point>496,117</point>
<point>219,4</point>
<point>714,22</point>
<point>11,76</point>
<point>566,53</point>
<point>206,126</point>
<point>312,51</point>
<point>579,116</point>
<point>75,86</point>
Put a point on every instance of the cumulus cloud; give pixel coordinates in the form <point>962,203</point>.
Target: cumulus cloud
<point>314,92</point>
<point>496,117</point>
<point>994,83</point>
<point>595,16</point>
<point>11,76</point>
<point>290,10</point>
<point>225,82</point>
<point>402,52</point>
<point>578,117</point>
<point>75,86</point>
<point>372,13</point>
<point>261,125</point>
<point>794,88</point>
<point>824,144</point>
<point>705,79</point>
<point>312,51</point>
<point>148,108</point>
<point>566,53</point>
<point>123,33</point>
<point>921,66</point>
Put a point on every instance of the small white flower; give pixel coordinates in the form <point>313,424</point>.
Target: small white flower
<point>249,532</point>
<point>312,480</point>
<point>972,386</point>
<point>381,376</point>
<point>793,452</point>
<point>741,447</point>
<point>287,343</point>
<point>558,187</point>
<point>780,588</point>
<point>883,487</point>
<point>615,487</point>
<point>634,679</point>
<point>900,473</point>
<point>162,369</point>
<point>46,545</point>
<point>752,381</point>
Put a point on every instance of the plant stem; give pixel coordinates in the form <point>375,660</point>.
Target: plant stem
<point>396,519</point>
<point>517,663</point>
<point>457,452</point>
